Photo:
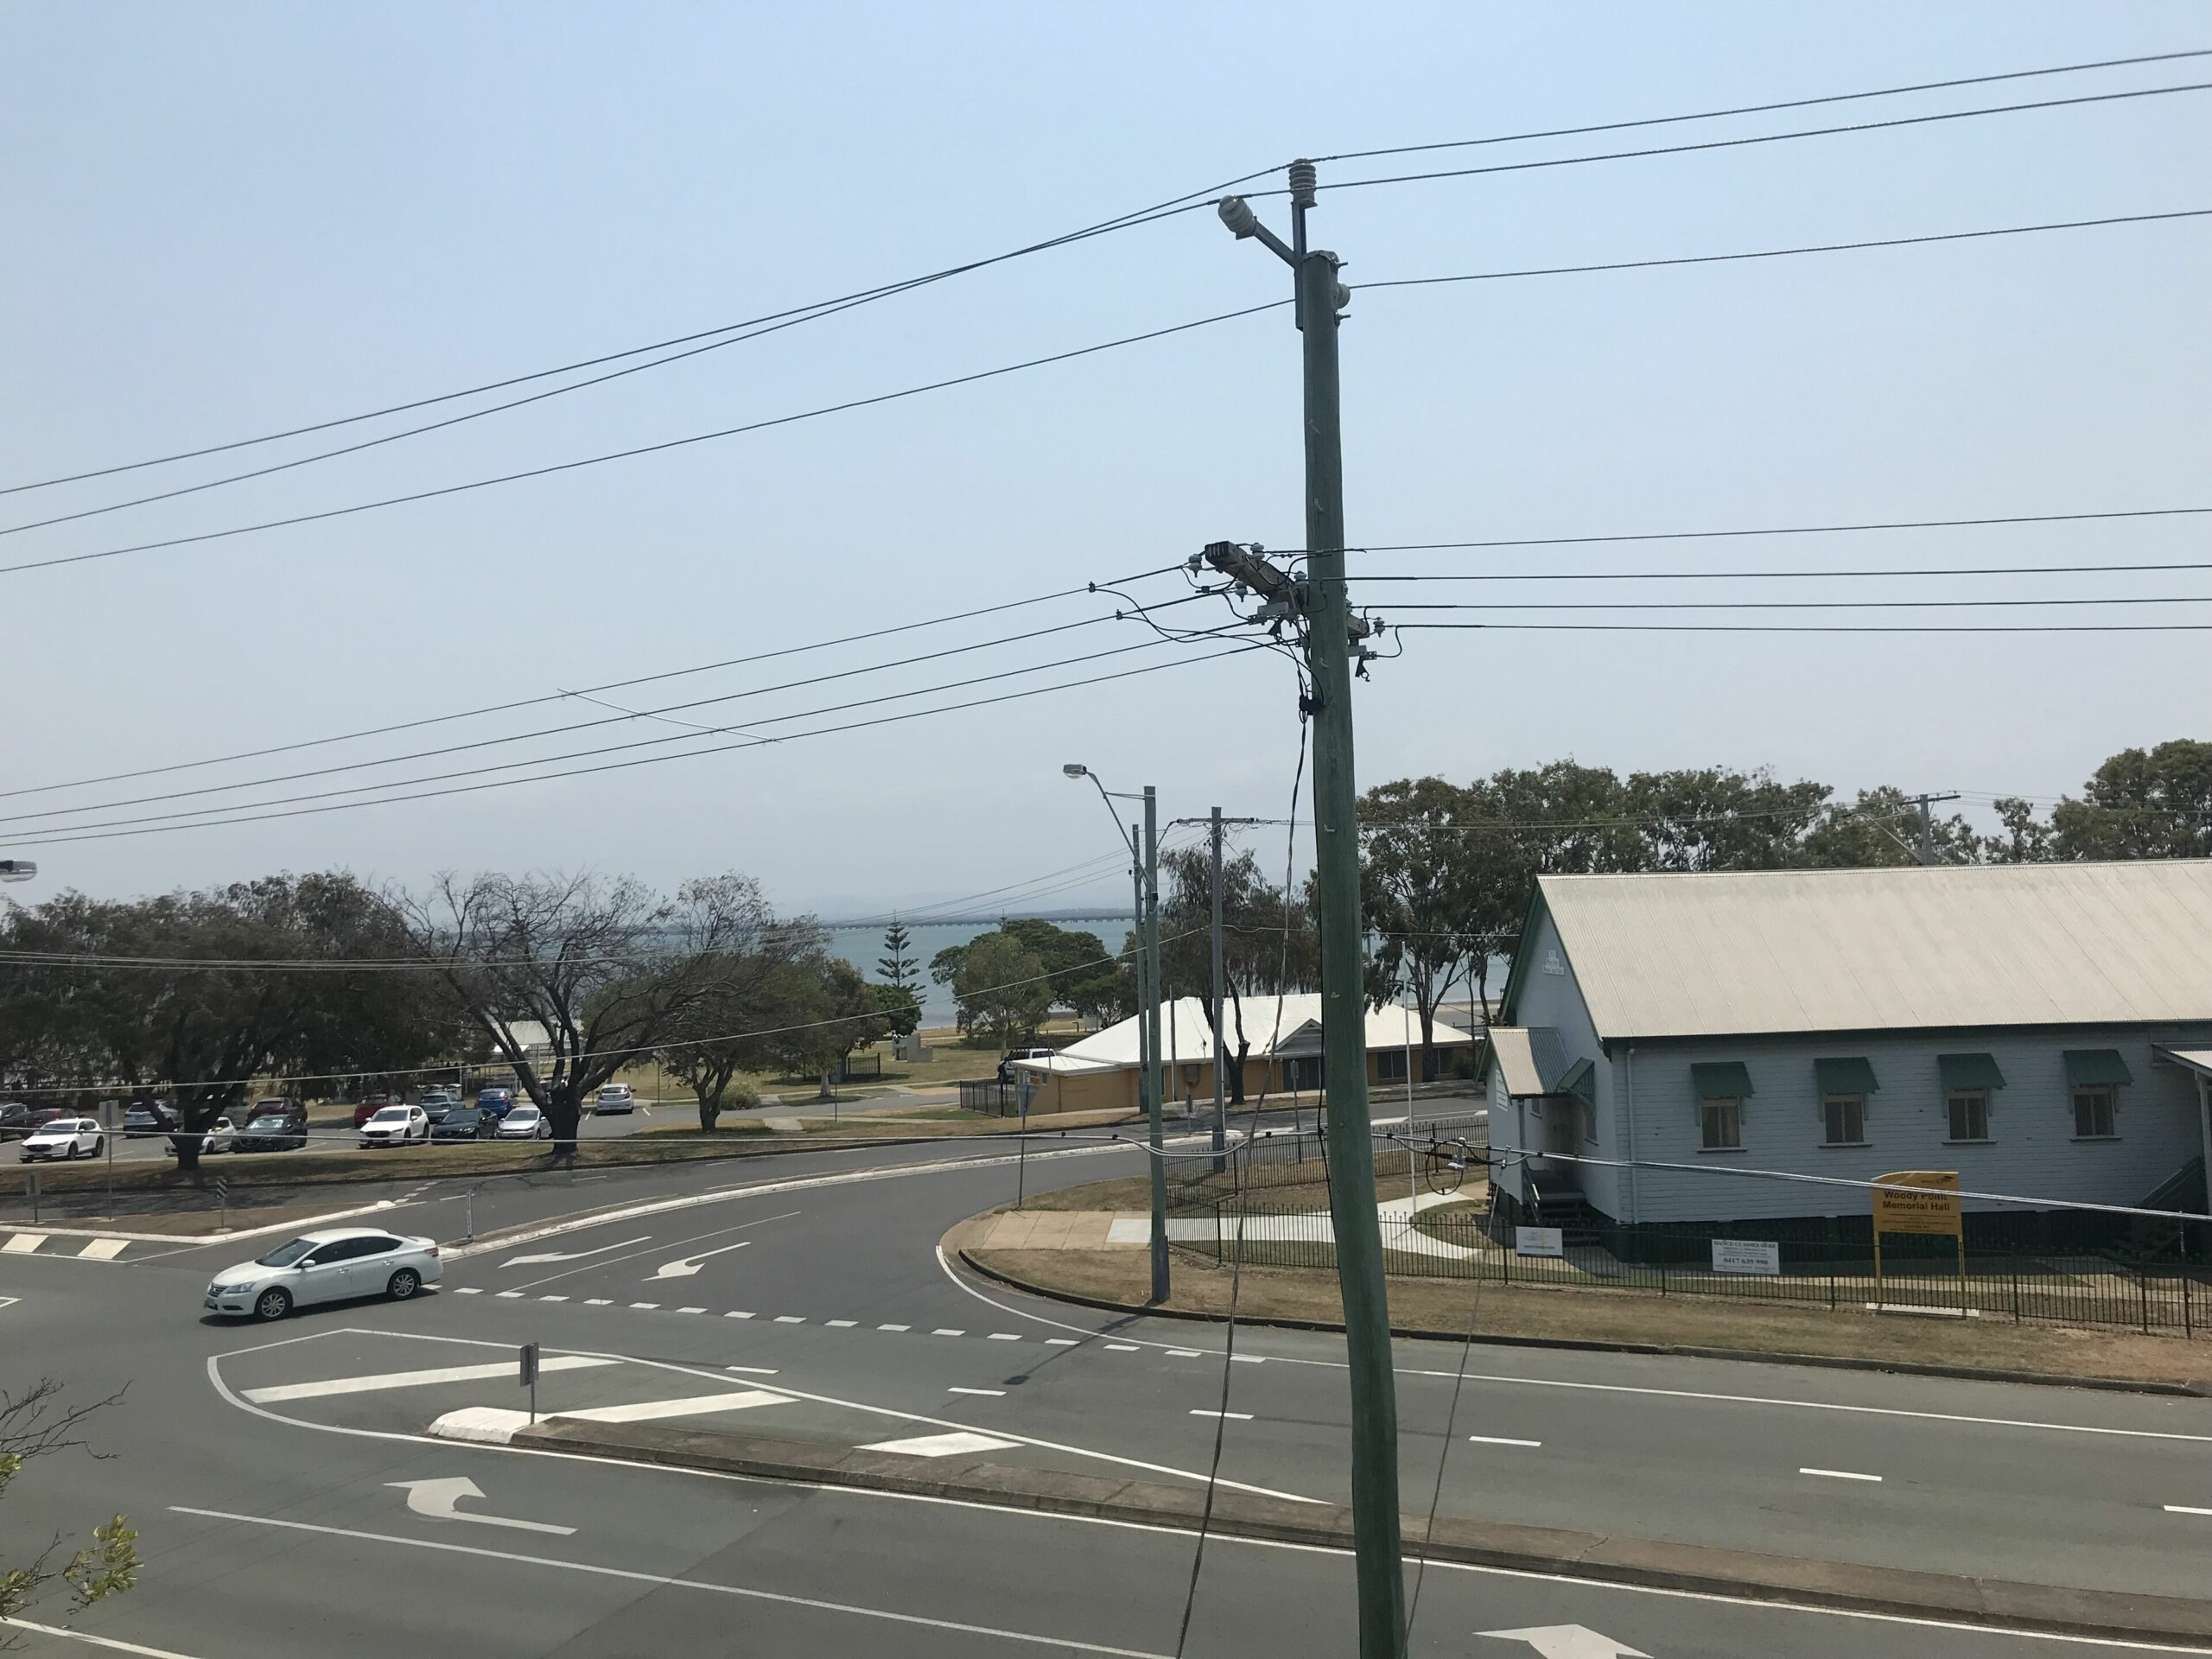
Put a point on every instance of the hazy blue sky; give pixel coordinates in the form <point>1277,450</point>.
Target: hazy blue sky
<point>221,221</point>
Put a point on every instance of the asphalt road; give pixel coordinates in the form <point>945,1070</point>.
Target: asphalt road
<point>258,1462</point>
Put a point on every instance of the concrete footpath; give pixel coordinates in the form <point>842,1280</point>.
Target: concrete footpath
<point>1653,1563</point>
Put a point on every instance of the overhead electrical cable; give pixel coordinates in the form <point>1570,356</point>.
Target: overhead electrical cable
<point>1788,575</point>
<point>1817,627</point>
<point>1794,604</point>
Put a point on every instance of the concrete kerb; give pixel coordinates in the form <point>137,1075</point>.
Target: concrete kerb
<point>1650,1563</point>
<point>1578,1344</point>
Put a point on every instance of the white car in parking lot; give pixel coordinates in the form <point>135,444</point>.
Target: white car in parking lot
<point>525,1123</point>
<point>64,1137</point>
<point>337,1264</point>
<point>396,1126</point>
<point>615,1098</point>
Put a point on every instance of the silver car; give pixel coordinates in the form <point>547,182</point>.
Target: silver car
<point>337,1264</point>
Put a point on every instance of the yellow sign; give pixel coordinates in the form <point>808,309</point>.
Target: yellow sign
<point>1917,1201</point>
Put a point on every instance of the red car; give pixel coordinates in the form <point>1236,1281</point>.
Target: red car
<point>371,1105</point>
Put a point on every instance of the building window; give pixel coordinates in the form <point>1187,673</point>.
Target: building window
<point>1845,1119</point>
<point>1969,1114</point>
<point>2093,1114</point>
<point>1590,1120</point>
<point>1720,1124</point>
<point>1391,1065</point>
<point>1304,1072</point>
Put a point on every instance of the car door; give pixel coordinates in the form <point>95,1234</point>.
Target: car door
<point>370,1267</point>
<point>320,1275</point>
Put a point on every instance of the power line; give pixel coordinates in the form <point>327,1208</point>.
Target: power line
<point>1790,575</point>
<point>110,833</point>
<point>556,697</point>
<point>1797,604</point>
<point>1845,128</point>
<point>1791,252</point>
<point>1768,109</point>
<point>647,448</point>
<point>1819,627</point>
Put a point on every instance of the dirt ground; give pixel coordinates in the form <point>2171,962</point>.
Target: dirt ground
<point>1431,1305</point>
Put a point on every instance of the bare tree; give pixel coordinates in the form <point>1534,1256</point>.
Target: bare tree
<point>35,1424</point>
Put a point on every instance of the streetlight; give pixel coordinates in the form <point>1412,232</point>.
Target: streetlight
<point>17,869</point>
<point>1144,867</point>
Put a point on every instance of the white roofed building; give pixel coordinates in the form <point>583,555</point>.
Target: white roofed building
<point>1280,1042</point>
<point>2042,1029</point>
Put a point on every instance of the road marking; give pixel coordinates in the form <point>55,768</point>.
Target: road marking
<point>103,1250</point>
<point>1061,1342</point>
<point>698,1405</point>
<point>438,1499</point>
<point>468,1290</point>
<point>1004,1336</point>
<point>942,1445</point>
<point>687,1266</point>
<point>1229,1416</point>
<point>108,1642</point>
<point>552,1299</point>
<point>1249,1359</point>
<point>1841,1474</point>
<point>1569,1642</point>
<point>669,1581</point>
<point>752,1370</point>
<point>737,1316</point>
<point>509,1295</point>
<point>646,1305</point>
<point>613,1261</point>
<point>944,1331</point>
<point>414,1379</point>
<point>842,1325</point>
<point>573,1256</point>
<point>691,1310</point>
<point>790,1319</point>
<point>598,1301</point>
<point>2186,1508</point>
<point>1502,1439</point>
<point>1122,1348</point>
<point>23,1243</point>
<point>1184,1353</point>
<point>993,1394</point>
<point>895,1327</point>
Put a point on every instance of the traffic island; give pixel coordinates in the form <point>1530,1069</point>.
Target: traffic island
<point>1067,1256</point>
<point>1599,1557</point>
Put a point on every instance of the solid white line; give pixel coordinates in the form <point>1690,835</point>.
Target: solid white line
<point>752,1370</point>
<point>107,1641</point>
<point>1501,1439</point>
<point>411,1379</point>
<point>1841,1474</point>
<point>669,1582</point>
<point>1623,1388</point>
<point>994,1394</point>
<point>650,1411</point>
<point>2186,1508</point>
<point>1232,1416</point>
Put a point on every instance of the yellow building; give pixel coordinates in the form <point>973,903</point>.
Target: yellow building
<point>1278,1037</point>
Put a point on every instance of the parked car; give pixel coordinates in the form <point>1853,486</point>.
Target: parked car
<point>436,1102</point>
<point>398,1126</point>
<point>64,1137</point>
<point>616,1097</point>
<point>1006,1065</point>
<point>216,1137</point>
<point>525,1123</point>
<point>274,1126</point>
<point>369,1106</point>
<point>335,1265</point>
<point>144,1117</point>
<point>18,1119</point>
<point>463,1123</point>
<point>495,1102</point>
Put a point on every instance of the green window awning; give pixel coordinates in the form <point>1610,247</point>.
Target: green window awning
<point>1720,1080</point>
<point>1581,1082</point>
<point>1969,1071</point>
<point>2094,1065</point>
<point>1844,1077</point>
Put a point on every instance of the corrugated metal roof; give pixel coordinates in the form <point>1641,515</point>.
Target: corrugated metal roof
<point>1810,951</point>
<point>1187,1035</point>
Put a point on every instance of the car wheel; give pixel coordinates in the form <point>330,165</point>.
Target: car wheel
<point>403,1284</point>
<point>272,1304</point>
<point>99,1144</point>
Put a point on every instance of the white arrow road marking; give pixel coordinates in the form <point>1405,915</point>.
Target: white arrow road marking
<point>689,1264</point>
<point>572,1255</point>
<point>436,1499</point>
<point>1569,1642</point>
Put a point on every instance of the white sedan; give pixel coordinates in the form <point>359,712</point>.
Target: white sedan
<point>396,1126</point>
<point>64,1137</point>
<point>525,1123</point>
<point>215,1138</point>
<point>615,1098</point>
<point>335,1265</point>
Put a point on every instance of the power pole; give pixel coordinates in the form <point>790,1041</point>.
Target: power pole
<point>1926,851</point>
<point>1148,1072</point>
<point>1329,635</point>
<point>1156,1066</point>
<point>1220,991</point>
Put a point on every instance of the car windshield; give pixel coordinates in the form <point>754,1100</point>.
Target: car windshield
<point>285,1255</point>
<point>390,1115</point>
<point>524,1114</point>
<point>268,1125</point>
<point>465,1116</point>
<point>63,1126</point>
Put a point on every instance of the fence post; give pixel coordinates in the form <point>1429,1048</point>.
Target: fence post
<point>2188,1328</point>
<point>2142,1295</point>
<point>1831,1278</point>
<point>2015,1262</point>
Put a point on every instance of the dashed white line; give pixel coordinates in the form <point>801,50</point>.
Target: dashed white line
<point>552,1299</point>
<point>734,1315</point>
<point>942,1331</point>
<point>1062,1342</point>
<point>1505,1439</point>
<point>510,1296</point>
<point>2186,1508</point>
<point>1249,1359</point>
<point>691,1310</point>
<point>1841,1474</point>
<point>752,1370</point>
<point>468,1290</point>
<point>1184,1353</point>
<point>1122,1348</point>
<point>597,1301</point>
<point>790,1319</point>
<point>1231,1416</point>
<point>841,1325</point>
<point>644,1305</point>
<point>895,1327</point>
<point>990,1393</point>
<point>1004,1336</point>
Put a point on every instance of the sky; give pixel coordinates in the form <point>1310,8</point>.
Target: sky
<point>224,222</point>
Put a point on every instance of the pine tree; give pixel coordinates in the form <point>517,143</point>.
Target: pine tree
<point>899,993</point>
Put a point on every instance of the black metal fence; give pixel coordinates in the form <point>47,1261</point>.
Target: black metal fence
<point>1271,1204</point>
<point>989,1095</point>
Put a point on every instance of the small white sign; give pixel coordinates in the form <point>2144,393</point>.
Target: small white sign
<point>1754,1256</point>
<point>1538,1241</point>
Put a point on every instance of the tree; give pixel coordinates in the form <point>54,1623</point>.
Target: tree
<point>1003,988</point>
<point>1417,896</point>
<point>35,1424</point>
<point>607,968</point>
<point>2141,803</point>
<point>1269,944</point>
<point>899,993</point>
<point>825,1010</point>
<point>721,1031</point>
